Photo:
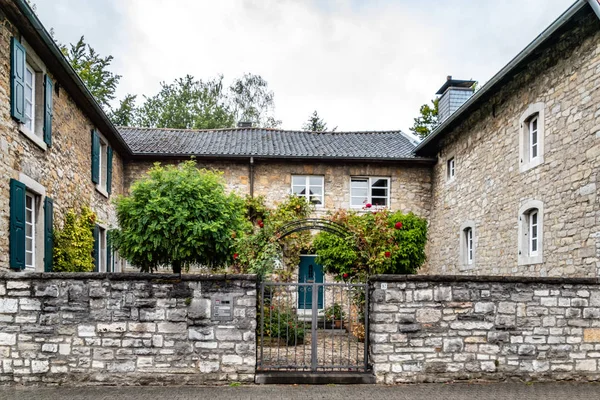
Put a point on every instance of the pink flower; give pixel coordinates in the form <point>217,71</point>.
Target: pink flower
<point>388,254</point>
<point>398,225</point>
<point>368,205</point>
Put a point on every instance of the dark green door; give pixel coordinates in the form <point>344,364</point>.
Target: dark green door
<point>309,272</point>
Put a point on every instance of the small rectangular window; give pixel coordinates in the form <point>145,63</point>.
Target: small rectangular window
<point>310,187</point>
<point>30,231</point>
<point>533,233</point>
<point>533,137</point>
<point>29,98</point>
<point>374,191</point>
<point>450,173</point>
<point>102,249</point>
<point>469,242</point>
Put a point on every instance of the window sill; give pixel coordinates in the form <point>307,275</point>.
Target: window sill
<point>466,267</point>
<point>102,191</point>
<point>526,260</point>
<point>33,137</point>
<point>531,164</point>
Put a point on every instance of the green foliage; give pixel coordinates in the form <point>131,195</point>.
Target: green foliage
<point>427,121</point>
<point>380,242</point>
<point>178,216</point>
<point>258,248</point>
<point>316,124</point>
<point>74,243</point>
<point>252,101</point>
<point>283,324</point>
<point>334,313</point>
<point>125,114</point>
<point>93,71</point>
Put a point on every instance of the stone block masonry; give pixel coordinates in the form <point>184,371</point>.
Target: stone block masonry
<point>442,328</point>
<point>125,329</point>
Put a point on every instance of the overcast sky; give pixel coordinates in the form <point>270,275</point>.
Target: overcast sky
<point>362,64</point>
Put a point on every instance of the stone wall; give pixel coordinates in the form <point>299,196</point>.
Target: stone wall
<point>410,184</point>
<point>125,329</point>
<point>63,170</point>
<point>442,328</point>
<point>489,188</point>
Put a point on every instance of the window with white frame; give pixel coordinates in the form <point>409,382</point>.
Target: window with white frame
<point>533,232</point>
<point>369,190</point>
<point>30,231</point>
<point>103,164</point>
<point>531,228</point>
<point>34,95</point>
<point>102,249</point>
<point>450,169</point>
<point>469,245</point>
<point>29,98</point>
<point>310,187</point>
<point>531,137</point>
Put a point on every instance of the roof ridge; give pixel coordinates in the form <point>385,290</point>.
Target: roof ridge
<point>397,131</point>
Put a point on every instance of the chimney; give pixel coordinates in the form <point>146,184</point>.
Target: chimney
<point>245,124</point>
<point>453,93</point>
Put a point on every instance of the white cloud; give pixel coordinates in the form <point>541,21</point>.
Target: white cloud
<point>362,65</point>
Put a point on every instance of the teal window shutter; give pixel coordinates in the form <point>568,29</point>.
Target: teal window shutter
<point>109,158</point>
<point>17,224</point>
<point>96,253</point>
<point>95,157</point>
<point>48,234</point>
<point>109,267</point>
<point>48,110</point>
<point>17,80</point>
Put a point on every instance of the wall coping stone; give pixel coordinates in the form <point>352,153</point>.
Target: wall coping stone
<point>125,276</point>
<point>484,278</point>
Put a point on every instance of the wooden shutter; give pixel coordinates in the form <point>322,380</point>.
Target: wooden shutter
<point>95,157</point>
<point>109,158</point>
<point>48,234</point>
<point>109,267</point>
<point>17,224</point>
<point>96,253</point>
<point>48,110</point>
<point>17,80</point>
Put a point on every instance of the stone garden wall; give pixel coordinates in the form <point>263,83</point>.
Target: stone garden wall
<point>126,329</point>
<point>441,328</point>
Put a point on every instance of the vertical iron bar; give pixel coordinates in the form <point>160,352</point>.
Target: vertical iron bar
<point>278,332</point>
<point>304,327</point>
<point>349,334</point>
<point>324,326</point>
<point>288,314</point>
<point>332,333</point>
<point>296,326</point>
<point>262,321</point>
<point>313,338</point>
<point>366,287</point>
<point>271,324</point>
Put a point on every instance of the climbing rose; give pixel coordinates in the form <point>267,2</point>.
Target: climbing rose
<point>235,256</point>
<point>388,254</point>
<point>398,225</point>
<point>368,205</point>
<point>260,223</point>
<point>345,276</point>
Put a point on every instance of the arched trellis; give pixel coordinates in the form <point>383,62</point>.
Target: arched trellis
<point>308,224</point>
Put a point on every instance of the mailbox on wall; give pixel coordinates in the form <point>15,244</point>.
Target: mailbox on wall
<point>222,307</point>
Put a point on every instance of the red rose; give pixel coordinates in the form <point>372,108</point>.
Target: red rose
<point>398,225</point>
<point>388,254</point>
<point>345,276</point>
<point>260,223</point>
<point>368,205</point>
<point>235,256</point>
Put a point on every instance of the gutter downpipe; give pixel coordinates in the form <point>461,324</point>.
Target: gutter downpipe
<point>595,6</point>
<point>251,176</point>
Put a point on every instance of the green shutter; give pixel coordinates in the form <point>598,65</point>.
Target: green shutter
<point>95,157</point>
<point>109,158</point>
<point>48,234</point>
<point>96,252</point>
<point>109,267</point>
<point>48,110</point>
<point>17,80</point>
<point>17,224</point>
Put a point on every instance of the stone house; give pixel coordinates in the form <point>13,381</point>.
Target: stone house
<point>507,180</point>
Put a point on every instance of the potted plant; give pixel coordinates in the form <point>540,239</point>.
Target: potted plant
<point>335,315</point>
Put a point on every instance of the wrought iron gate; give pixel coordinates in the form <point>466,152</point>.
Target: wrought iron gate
<point>329,335</point>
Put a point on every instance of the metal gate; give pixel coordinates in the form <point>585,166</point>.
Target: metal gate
<point>313,327</point>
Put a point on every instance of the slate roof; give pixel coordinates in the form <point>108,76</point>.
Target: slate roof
<point>269,143</point>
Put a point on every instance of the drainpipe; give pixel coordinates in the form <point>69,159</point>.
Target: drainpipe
<point>595,6</point>
<point>251,176</point>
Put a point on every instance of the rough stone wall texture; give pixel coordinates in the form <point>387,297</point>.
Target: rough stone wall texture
<point>489,189</point>
<point>125,329</point>
<point>410,185</point>
<point>64,170</point>
<point>436,328</point>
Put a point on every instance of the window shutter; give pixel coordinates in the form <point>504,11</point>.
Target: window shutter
<point>17,80</point>
<point>48,110</point>
<point>109,157</point>
<point>48,234</point>
<point>96,252</point>
<point>108,252</point>
<point>95,157</point>
<point>17,224</point>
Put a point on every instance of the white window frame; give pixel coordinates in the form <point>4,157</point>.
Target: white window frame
<point>102,185</point>
<point>102,248</point>
<point>307,187</point>
<point>38,192</point>
<point>533,146</point>
<point>29,68</point>
<point>467,245</point>
<point>369,200</point>
<point>450,168</point>
<point>526,254</point>
<point>469,240</point>
<point>534,112</point>
<point>30,222</point>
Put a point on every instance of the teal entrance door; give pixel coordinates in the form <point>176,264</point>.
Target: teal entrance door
<point>309,272</point>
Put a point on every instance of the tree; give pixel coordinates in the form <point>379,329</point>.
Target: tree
<point>125,114</point>
<point>252,101</point>
<point>187,103</point>
<point>427,121</point>
<point>315,124</point>
<point>178,216</point>
<point>93,71</point>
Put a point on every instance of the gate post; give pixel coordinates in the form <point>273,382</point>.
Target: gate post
<point>313,329</point>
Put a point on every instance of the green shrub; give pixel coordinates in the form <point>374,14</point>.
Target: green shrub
<point>283,324</point>
<point>74,243</point>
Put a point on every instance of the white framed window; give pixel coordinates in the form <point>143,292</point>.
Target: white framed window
<point>35,69</point>
<point>102,249</point>
<point>531,137</point>
<point>29,98</point>
<point>310,187</point>
<point>103,164</point>
<point>30,231</point>
<point>468,245</point>
<point>450,164</point>
<point>369,190</point>
<point>531,233</point>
